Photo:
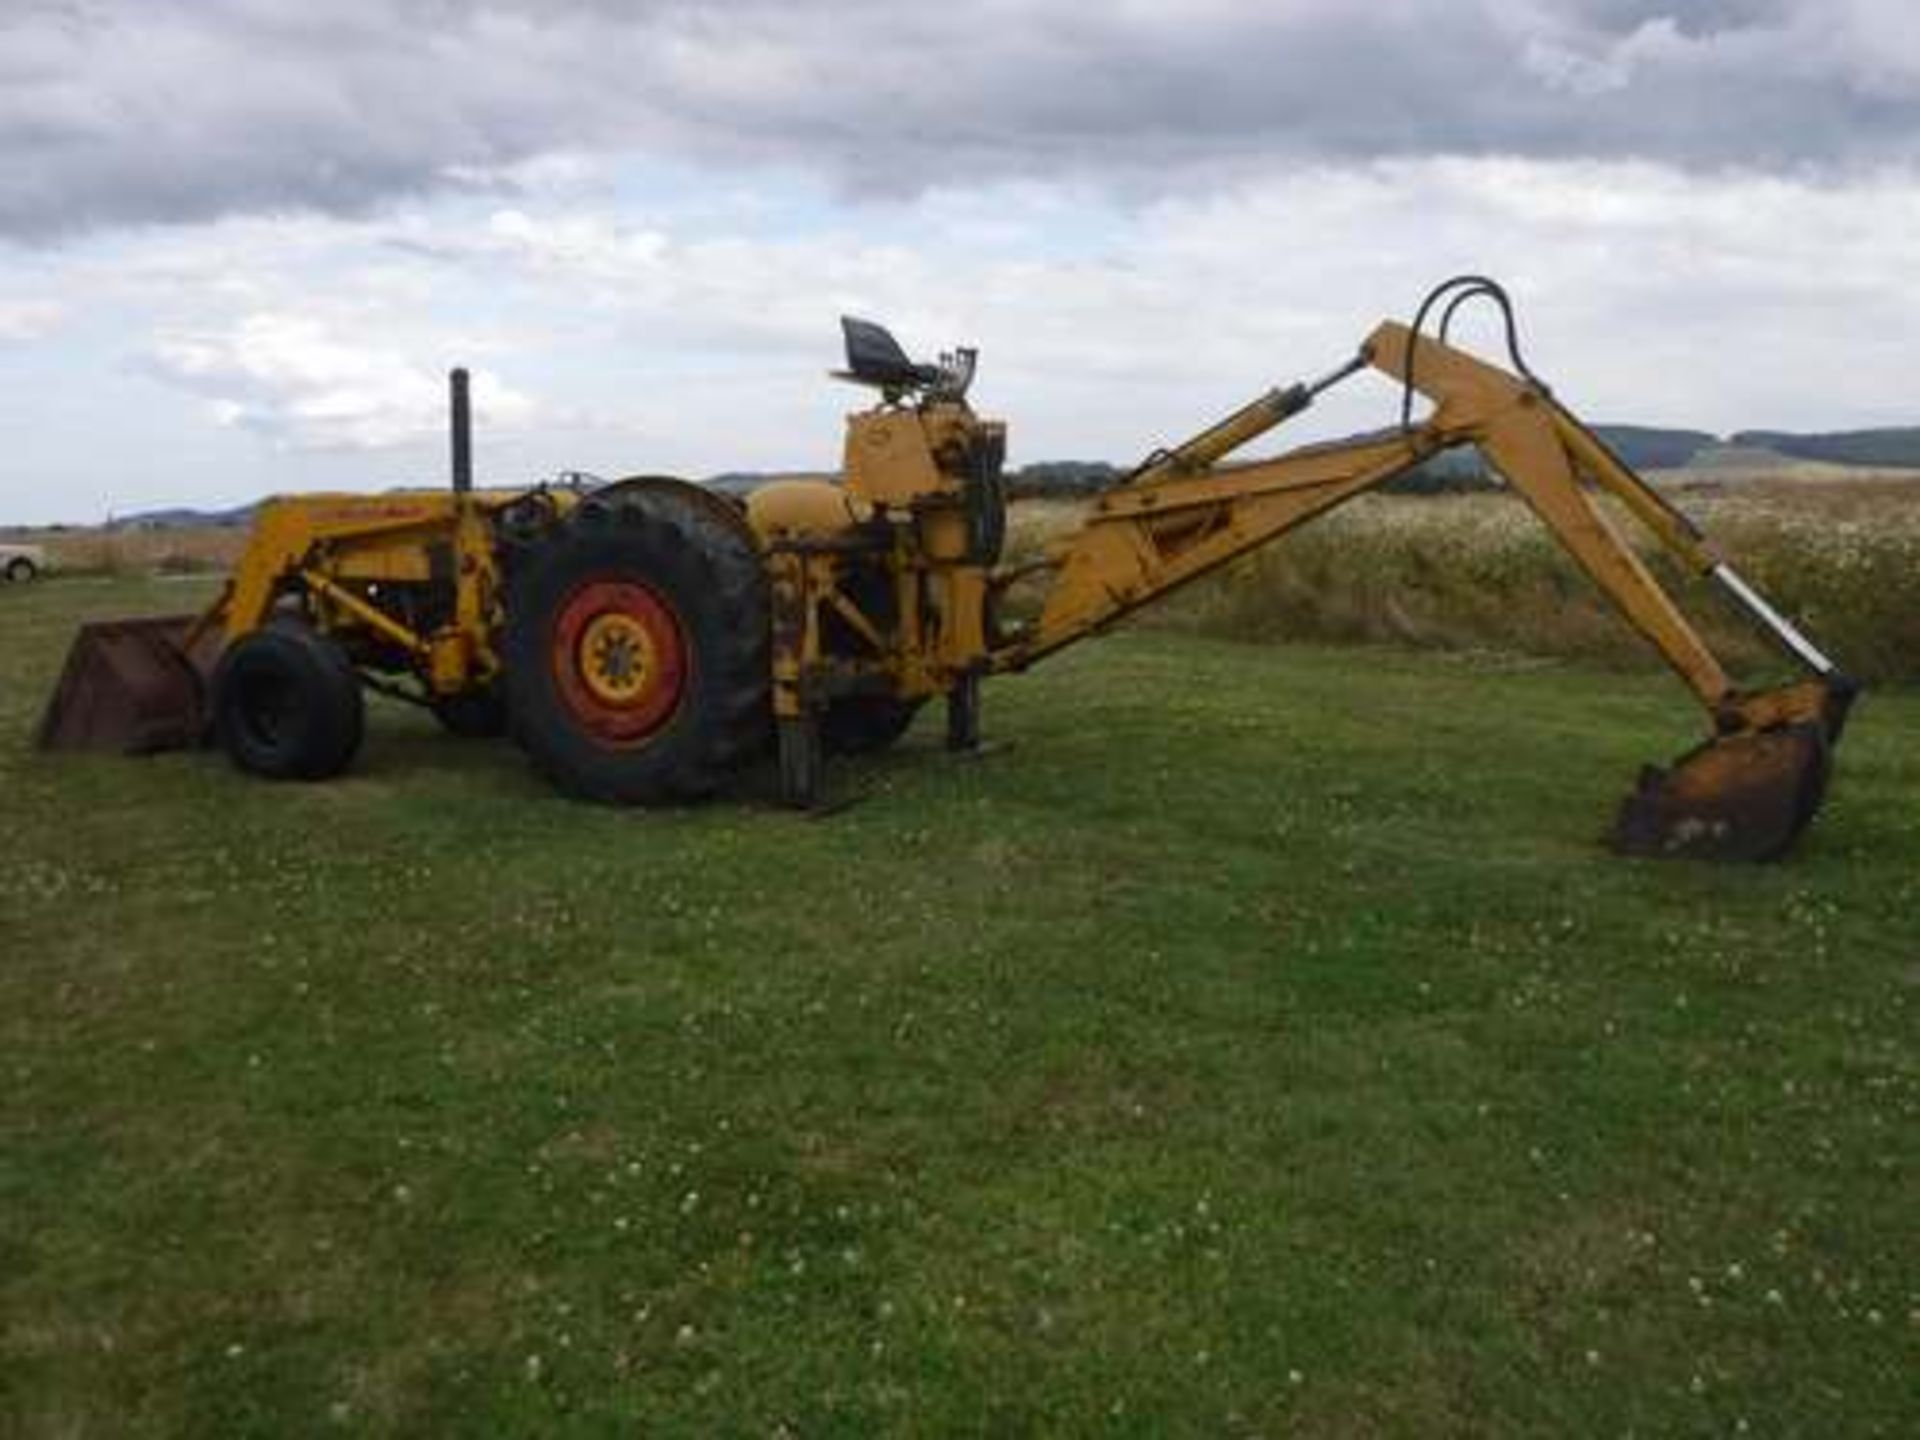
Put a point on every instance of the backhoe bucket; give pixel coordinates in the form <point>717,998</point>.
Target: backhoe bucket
<point>133,687</point>
<point>1737,797</point>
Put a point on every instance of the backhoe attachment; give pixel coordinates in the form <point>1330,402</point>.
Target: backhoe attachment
<point>1746,793</point>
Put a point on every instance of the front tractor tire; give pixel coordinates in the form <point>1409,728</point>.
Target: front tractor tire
<point>637,648</point>
<point>287,704</point>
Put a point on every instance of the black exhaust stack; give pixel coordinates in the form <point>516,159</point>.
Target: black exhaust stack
<point>462,432</point>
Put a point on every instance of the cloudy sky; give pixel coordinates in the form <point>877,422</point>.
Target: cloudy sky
<point>241,240</point>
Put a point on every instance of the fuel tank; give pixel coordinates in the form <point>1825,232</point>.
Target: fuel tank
<point>804,510</point>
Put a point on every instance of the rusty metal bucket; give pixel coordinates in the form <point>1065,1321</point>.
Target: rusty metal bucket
<point>1740,797</point>
<point>133,687</point>
<point>1746,795</point>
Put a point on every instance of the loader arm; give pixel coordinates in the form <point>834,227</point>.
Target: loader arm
<point>1748,792</point>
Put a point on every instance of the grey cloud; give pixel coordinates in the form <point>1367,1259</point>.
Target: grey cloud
<point>180,110</point>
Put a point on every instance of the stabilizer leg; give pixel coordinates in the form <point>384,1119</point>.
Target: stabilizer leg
<point>963,715</point>
<point>802,763</point>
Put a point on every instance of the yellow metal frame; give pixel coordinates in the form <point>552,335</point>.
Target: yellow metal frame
<point>340,549</point>
<point>900,513</point>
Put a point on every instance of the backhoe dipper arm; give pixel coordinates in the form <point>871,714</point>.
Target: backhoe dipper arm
<point>1513,423</point>
<point>1546,454</point>
<point>1184,513</point>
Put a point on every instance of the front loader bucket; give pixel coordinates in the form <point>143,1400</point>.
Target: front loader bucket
<point>132,686</point>
<point>1737,797</point>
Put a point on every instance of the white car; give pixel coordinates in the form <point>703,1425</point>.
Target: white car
<point>21,562</point>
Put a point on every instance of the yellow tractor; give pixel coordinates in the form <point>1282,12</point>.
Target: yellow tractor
<point>643,640</point>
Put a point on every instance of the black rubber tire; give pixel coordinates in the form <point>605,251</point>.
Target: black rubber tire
<point>707,570</point>
<point>865,724</point>
<point>20,570</point>
<point>473,714</point>
<point>287,704</point>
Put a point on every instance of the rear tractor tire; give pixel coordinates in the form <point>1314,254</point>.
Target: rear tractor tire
<point>637,647</point>
<point>287,704</point>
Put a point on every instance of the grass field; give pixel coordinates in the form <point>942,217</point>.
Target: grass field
<point>1260,1044</point>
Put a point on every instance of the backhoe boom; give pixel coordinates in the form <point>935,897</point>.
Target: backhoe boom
<point>1185,513</point>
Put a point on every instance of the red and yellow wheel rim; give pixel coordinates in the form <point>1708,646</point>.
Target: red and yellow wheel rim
<point>619,660</point>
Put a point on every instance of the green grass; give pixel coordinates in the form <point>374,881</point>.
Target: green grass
<point>1261,1044</point>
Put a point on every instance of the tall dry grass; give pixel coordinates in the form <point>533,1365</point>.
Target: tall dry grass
<point>145,552</point>
<point>1478,572</point>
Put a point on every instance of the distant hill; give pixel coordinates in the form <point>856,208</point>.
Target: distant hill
<point>183,517</point>
<point>1647,447</point>
<point>1892,448</point>
<point>1741,460</point>
<point>1063,478</point>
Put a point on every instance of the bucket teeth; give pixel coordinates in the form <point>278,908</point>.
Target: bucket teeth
<point>1736,797</point>
<point>130,686</point>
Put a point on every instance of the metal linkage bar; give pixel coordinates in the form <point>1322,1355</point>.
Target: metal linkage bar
<point>1781,628</point>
